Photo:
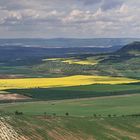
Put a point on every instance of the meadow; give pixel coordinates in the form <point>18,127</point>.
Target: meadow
<point>114,105</point>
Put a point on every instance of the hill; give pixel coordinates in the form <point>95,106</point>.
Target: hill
<point>124,62</point>
<point>17,61</point>
<point>133,48</point>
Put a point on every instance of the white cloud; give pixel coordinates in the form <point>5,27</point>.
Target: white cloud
<point>66,18</point>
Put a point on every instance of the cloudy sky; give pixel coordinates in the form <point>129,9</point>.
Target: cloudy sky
<point>69,18</point>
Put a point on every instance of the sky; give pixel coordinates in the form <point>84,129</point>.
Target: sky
<point>69,18</point>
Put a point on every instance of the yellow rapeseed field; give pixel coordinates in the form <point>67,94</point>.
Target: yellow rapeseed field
<point>52,59</point>
<point>61,82</point>
<point>80,62</point>
<point>73,61</point>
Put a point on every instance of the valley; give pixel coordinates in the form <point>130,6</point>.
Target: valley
<point>89,96</point>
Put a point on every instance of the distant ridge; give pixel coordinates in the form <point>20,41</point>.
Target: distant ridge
<point>135,46</point>
<point>70,42</point>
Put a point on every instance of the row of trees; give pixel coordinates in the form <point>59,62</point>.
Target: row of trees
<point>94,115</point>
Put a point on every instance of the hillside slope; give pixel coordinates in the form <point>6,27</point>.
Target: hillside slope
<point>125,62</point>
<point>130,48</point>
<point>33,62</point>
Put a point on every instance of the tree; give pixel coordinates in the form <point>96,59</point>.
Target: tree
<point>114,115</point>
<point>109,115</point>
<point>45,115</point>
<point>18,113</point>
<point>54,114</point>
<point>67,114</point>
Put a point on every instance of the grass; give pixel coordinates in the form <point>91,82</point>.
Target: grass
<point>120,66</point>
<point>81,123</point>
<point>55,128</point>
<point>103,87</point>
<point>104,118</point>
<point>77,92</point>
<point>121,105</point>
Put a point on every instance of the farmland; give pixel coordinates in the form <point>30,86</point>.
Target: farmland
<point>73,61</point>
<point>93,119</point>
<point>61,82</point>
<point>74,97</point>
<point>8,132</point>
<point>118,105</point>
<point>102,65</point>
<point>77,92</point>
<point>56,128</point>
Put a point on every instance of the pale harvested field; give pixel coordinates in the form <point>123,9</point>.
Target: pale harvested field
<point>7,132</point>
<point>13,97</point>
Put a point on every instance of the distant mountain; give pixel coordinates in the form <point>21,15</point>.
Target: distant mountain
<point>70,42</point>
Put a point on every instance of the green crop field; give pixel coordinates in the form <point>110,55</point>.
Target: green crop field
<point>104,118</point>
<point>77,92</point>
<point>117,105</point>
<point>72,128</point>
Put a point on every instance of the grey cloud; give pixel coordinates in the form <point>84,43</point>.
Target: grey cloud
<point>105,4</point>
<point>90,2</point>
<point>111,4</point>
<point>31,17</point>
<point>12,4</point>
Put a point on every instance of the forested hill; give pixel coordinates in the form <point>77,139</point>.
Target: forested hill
<point>131,48</point>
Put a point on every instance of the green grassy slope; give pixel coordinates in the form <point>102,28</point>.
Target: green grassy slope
<point>119,105</point>
<point>126,68</point>
<point>126,65</point>
<point>94,119</point>
<point>112,65</point>
<point>125,62</point>
<point>58,128</point>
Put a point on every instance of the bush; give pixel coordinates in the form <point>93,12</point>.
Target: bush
<point>67,114</point>
<point>18,113</point>
<point>109,115</point>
